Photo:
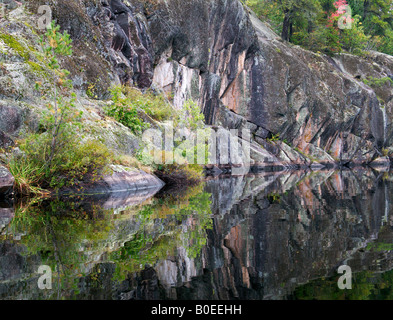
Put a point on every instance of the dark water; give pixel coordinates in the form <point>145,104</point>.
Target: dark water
<point>267,236</point>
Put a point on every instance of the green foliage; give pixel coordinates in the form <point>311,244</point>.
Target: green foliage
<point>379,246</point>
<point>313,24</point>
<point>354,40</point>
<point>67,236</point>
<point>383,43</point>
<point>124,112</point>
<point>327,289</point>
<point>146,249</point>
<point>91,91</point>
<point>377,82</point>
<point>366,285</point>
<point>55,45</point>
<point>179,164</point>
<point>28,176</point>
<point>190,117</point>
<point>73,162</point>
<point>56,231</point>
<point>183,161</point>
<point>322,39</point>
<point>128,103</point>
<point>155,105</point>
<point>268,10</point>
<point>273,138</point>
<point>15,45</point>
<point>181,174</point>
<point>274,198</point>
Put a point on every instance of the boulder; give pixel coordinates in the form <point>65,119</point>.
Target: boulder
<point>5,140</point>
<point>6,181</point>
<point>121,180</point>
<point>11,119</point>
<point>314,102</point>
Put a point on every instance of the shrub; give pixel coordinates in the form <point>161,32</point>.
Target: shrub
<point>182,169</point>
<point>269,10</point>
<point>377,82</point>
<point>72,163</point>
<point>128,102</point>
<point>190,116</point>
<point>384,44</point>
<point>154,104</point>
<point>354,40</point>
<point>124,112</point>
<point>176,174</point>
<point>324,39</point>
<point>84,161</point>
<point>54,159</point>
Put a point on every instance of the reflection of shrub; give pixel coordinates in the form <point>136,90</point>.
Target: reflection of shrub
<point>56,232</point>
<point>354,40</point>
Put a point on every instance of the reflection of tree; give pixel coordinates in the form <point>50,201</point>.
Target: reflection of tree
<point>56,232</point>
<point>71,238</point>
<point>365,286</point>
<point>186,220</point>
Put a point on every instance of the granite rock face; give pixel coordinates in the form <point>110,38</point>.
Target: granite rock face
<point>238,68</point>
<point>323,109</point>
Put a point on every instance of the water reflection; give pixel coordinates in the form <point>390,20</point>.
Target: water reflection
<point>89,248</point>
<point>265,236</point>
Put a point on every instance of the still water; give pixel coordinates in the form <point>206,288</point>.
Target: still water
<point>266,236</point>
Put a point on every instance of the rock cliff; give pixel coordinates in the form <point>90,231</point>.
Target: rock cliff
<point>301,107</point>
<point>245,76</point>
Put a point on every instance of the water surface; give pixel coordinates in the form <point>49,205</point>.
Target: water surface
<point>265,236</point>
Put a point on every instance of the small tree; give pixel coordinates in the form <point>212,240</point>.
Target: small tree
<point>56,157</point>
<point>61,108</point>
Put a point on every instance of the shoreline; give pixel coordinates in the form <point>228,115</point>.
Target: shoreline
<point>130,180</point>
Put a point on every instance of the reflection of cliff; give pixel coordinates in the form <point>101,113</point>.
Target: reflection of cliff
<point>270,233</point>
<point>264,244</point>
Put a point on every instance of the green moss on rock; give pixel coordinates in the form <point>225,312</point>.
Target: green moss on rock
<point>15,45</point>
